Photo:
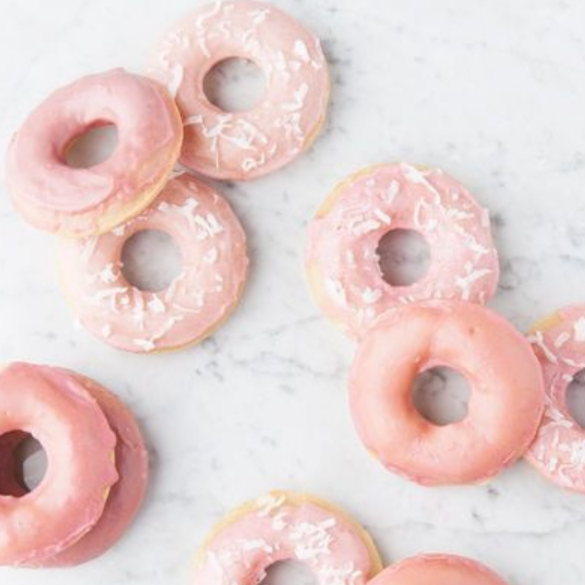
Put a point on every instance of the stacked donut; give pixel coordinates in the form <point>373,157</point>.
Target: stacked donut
<point>97,467</point>
<point>161,120</point>
<point>440,320</point>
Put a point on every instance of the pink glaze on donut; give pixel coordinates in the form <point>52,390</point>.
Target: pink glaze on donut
<point>504,410</point>
<point>54,407</point>
<point>277,529</point>
<point>244,145</point>
<point>126,496</point>
<point>213,246</point>
<point>342,259</point>
<point>437,569</point>
<point>80,201</point>
<point>558,451</point>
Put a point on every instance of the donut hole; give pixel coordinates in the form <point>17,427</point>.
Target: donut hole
<point>575,398</point>
<point>441,395</point>
<point>29,463</point>
<point>92,147</point>
<point>234,84</point>
<point>289,572</point>
<point>151,260</point>
<point>404,257</point>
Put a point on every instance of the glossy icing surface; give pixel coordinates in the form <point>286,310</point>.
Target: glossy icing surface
<point>76,201</point>
<point>215,263</point>
<point>55,408</point>
<point>342,259</point>
<point>505,406</point>
<point>244,145</point>
<point>437,569</point>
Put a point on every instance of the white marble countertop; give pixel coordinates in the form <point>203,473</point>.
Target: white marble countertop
<point>493,92</point>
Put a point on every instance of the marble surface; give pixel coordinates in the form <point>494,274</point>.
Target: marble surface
<point>494,93</point>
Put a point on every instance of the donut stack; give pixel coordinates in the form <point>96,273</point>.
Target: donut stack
<point>161,120</point>
<point>97,467</point>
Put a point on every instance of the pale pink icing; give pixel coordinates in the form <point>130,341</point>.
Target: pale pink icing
<point>276,529</point>
<point>558,451</point>
<point>504,409</point>
<point>438,569</point>
<point>342,258</point>
<point>56,197</point>
<point>54,407</point>
<point>244,145</point>
<point>126,496</point>
<point>213,246</point>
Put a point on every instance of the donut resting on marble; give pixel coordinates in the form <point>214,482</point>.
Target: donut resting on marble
<point>97,467</point>
<point>342,254</point>
<point>198,300</point>
<point>247,144</point>
<point>558,452</point>
<point>76,202</point>
<point>505,406</point>
<point>283,526</point>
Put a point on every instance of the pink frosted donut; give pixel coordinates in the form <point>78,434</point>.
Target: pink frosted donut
<point>283,526</point>
<point>342,259</point>
<point>558,451</point>
<point>438,569</point>
<point>244,145</point>
<point>54,407</point>
<point>213,246</point>
<point>505,407</point>
<point>126,496</point>
<point>81,201</point>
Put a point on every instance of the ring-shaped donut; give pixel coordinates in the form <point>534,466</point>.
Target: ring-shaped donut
<point>342,253</point>
<point>286,526</point>
<point>198,300</point>
<point>77,202</point>
<point>504,409</point>
<point>248,144</point>
<point>126,495</point>
<point>52,406</point>
<point>558,452</point>
<point>438,569</point>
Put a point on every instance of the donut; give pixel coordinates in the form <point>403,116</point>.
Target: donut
<point>79,202</point>
<point>505,406</point>
<point>197,301</point>
<point>342,260</point>
<point>249,144</point>
<point>55,408</point>
<point>438,569</point>
<point>558,452</point>
<point>286,526</point>
<point>126,496</point>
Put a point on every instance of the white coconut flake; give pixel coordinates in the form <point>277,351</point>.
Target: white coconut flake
<point>336,291</point>
<point>177,74</point>
<point>371,295</point>
<point>562,339</point>
<point>392,191</point>
<point>106,331</point>
<point>145,344</point>
<point>269,503</point>
<point>382,216</point>
<point>538,339</point>
<point>579,329</point>
<point>299,99</point>
<point>156,305</point>
<point>300,50</point>
<point>259,16</point>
